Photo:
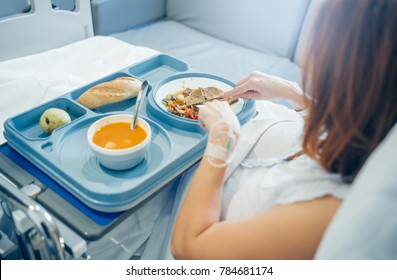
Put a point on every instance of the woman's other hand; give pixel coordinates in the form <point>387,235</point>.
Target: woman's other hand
<point>261,86</point>
<point>216,111</point>
<point>223,130</point>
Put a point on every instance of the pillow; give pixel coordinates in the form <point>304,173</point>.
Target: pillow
<point>365,226</point>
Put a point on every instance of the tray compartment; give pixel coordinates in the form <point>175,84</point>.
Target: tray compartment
<point>99,186</point>
<point>119,106</point>
<point>27,124</point>
<point>178,82</point>
<point>157,68</point>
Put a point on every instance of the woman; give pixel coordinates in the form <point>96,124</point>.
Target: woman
<point>350,72</point>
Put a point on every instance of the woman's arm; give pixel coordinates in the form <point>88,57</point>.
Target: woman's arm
<point>283,232</point>
<point>202,205</point>
<point>261,86</point>
<point>200,210</point>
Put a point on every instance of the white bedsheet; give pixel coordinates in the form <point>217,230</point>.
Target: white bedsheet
<point>31,80</point>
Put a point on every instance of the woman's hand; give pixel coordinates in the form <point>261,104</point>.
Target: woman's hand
<point>261,86</point>
<point>223,131</point>
<point>215,111</point>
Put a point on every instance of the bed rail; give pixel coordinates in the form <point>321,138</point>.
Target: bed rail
<point>44,28</point>
<point>37,234</point>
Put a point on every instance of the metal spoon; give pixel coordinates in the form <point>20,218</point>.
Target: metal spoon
<point>139,100</point>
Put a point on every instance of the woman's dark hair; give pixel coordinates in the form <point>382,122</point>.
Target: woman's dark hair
<point>350,70</point>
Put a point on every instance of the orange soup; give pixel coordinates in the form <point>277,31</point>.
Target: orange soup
<point>119,136</point>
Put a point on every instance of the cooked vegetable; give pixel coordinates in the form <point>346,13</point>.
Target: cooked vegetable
<point>179,103</point>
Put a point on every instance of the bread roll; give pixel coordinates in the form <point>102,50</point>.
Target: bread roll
<point>110,92</point>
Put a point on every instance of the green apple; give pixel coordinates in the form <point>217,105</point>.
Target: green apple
<point>53,118</point>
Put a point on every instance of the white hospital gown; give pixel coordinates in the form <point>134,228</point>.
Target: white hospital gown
<point>264,180</point>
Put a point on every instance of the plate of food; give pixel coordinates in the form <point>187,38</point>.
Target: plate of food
<point>182,95</point>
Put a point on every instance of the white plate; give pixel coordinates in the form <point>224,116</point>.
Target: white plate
<point>181,84</point>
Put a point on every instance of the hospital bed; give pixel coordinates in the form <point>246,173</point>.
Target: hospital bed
<point>78,61</point>
<point>50,67</point>
<point>42,27</point>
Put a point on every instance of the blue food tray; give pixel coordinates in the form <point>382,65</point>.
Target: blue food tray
<point>66,157</point>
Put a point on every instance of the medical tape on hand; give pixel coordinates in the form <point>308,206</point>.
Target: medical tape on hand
<point>222,150</point>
